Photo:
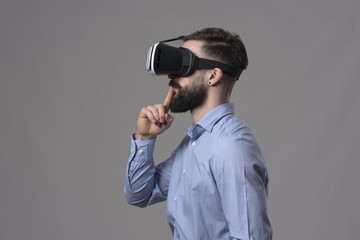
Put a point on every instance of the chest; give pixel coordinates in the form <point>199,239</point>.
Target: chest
<point>192,174</point>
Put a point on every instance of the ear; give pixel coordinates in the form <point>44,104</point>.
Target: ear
<point>215,76</point>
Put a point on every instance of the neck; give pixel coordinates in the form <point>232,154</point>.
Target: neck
<point>201,111</point>
<point>216,96</point>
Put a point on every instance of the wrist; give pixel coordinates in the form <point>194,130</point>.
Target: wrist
<point>144,137</point>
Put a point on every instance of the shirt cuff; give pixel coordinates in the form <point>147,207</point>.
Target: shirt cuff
<point>142,147</point>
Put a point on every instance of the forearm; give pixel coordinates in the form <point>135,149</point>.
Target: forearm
<point>140,173</point>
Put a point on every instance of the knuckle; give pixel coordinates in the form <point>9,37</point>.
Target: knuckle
<point>160,106</point>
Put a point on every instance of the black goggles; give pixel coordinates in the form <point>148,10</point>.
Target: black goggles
<point>163,59</point>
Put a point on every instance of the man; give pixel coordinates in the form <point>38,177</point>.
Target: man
<point>215,181</point>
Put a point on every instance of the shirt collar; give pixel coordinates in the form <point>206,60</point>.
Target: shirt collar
<point>208,121</point>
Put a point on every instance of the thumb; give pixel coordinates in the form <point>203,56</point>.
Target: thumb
<point>169,118</point>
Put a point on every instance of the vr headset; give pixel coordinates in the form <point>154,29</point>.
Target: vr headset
<point>163,59</point>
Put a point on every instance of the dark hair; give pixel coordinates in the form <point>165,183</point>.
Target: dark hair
<point>221,45</point>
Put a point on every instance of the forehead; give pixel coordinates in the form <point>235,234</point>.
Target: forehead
<point>194,46</point>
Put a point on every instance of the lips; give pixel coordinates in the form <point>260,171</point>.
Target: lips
<point>174,84</point>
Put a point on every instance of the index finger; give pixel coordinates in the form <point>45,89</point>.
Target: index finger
<point>168,98</point>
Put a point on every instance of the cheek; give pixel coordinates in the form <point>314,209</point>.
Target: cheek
<point>176,91</point>
<point>182,82</point>
<point>185,83</point>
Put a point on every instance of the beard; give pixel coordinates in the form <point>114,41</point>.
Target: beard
<point>188,97</point>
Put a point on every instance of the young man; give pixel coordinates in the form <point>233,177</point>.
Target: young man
<point>215,181</point>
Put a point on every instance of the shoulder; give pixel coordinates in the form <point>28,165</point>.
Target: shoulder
<point>235,143</point>
<point>230,128</point>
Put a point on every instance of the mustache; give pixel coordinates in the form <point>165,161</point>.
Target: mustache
<point>174,84</point>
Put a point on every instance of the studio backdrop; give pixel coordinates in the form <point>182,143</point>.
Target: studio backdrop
<point>73,80</point>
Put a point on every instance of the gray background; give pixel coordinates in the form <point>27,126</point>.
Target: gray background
<point>73,81</point>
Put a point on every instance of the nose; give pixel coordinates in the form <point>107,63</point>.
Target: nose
<point>172,77</point>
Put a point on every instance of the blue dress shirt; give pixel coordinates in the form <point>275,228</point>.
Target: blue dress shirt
<point>215,181</point>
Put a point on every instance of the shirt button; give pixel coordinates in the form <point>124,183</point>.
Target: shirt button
<point>132,150</point>
<point>184,171</point>
<point>140,151</point>
<point>175,198</point>
<point>193,143</point>
<point>174,225</point>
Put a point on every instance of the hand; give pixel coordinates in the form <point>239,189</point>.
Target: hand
<point>154,120</point>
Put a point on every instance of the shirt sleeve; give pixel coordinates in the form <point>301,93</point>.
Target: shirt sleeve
<point>145,183</point>
<point>242,181</point>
